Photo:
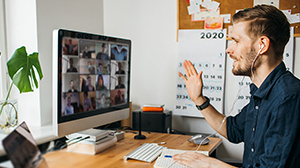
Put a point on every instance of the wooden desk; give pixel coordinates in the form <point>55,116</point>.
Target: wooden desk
<point>113,157</point>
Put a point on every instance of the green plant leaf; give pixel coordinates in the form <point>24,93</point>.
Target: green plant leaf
<point>21,69</point>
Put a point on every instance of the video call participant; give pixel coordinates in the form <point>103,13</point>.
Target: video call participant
<point>71,69</point>
<point>120,85</point>
<point>119,98</point>
<point>99,68</point>
<point>120,71</point>
<point>100,83</point>
<point>119,53</point>
<point>103,55</point>
<point>86,102</point>
<point>85,53</point>
<point>71,49</point>
<point>69,108</point>
<point>72,87</point>
<point>269,125</point>
<point>102,100</point>
<point>91,68</point>
<point>89,86</point>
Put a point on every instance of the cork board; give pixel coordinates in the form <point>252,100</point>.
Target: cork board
<point>229,7</point>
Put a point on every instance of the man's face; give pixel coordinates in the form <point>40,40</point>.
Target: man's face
<point>72,84</point>
<point>104,48</point>
<point>241,50</point>
<point>89,81</point>
<point>71,62</point>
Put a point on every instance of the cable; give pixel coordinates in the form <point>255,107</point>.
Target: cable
<point>61,145</point>
<point>224,119</point>
<point>262,46</point>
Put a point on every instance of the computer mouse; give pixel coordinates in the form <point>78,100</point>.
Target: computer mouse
<point>197,139</point>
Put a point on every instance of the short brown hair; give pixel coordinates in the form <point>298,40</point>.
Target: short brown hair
<point>266,20</point>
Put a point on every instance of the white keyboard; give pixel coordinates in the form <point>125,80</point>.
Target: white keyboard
<point>147,152</point>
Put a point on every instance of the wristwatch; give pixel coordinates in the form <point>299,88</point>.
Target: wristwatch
<point>204,105</point>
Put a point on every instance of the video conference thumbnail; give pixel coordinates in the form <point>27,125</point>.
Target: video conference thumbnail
<point>94,75</point>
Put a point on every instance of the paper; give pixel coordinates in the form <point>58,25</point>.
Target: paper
<point>212,5</point>
<point>287,14</point>
<point>193,9</point>
<point>288,54</point>
<point>295,18</point>
<point>195,2</point>
<point>227,18</point>
<point>165,162</point>
<point>205,13</point>
<point>206,50</point>
<point>266,2</point>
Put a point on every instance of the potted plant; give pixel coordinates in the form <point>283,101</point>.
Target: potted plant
<point>22,70</point>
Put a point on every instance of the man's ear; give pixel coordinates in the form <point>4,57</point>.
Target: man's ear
<point>264,43</point>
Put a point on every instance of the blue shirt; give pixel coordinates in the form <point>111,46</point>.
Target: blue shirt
<point>269,125</point>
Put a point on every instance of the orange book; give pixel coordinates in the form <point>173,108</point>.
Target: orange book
<point>154,108</point>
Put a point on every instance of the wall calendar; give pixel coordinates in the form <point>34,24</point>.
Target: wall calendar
<point>206,50</point>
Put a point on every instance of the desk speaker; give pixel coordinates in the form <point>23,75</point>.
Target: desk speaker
<point>153,121</point>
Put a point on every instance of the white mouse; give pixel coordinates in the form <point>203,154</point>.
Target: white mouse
<point>197,139</point>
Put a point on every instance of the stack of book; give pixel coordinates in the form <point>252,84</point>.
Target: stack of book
<point>95,141</point>
<point>153,108</point>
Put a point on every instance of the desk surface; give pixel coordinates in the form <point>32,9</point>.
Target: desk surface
<point>113,157</point>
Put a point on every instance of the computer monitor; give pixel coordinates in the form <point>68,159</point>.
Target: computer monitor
<point>91,80</point>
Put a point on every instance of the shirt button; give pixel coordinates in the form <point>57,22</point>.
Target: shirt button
<point>253,129</point>
<point>256,107</point>
<point>252,149</point>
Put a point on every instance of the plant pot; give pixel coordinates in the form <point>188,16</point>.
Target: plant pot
<point>9,115</point>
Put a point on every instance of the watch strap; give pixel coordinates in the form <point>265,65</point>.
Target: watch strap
<point>204,105</point>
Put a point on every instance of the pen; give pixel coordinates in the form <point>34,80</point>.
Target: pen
<point>168,156</point>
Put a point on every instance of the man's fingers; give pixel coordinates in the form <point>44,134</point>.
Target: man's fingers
<point>189,68</point>
<point>182,76</point>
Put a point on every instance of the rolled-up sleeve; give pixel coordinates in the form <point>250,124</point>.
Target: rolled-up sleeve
<point>235,127</point>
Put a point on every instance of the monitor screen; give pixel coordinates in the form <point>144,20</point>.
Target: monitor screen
<point>91,79</point>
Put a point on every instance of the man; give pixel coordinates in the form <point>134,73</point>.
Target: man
<point>71,49</point>
<point>72,87</point>
<point>89,86</point>
<point>119,98</point>
<point>103,55</point>
<point>120,85</point>
<point>86,53</point>
<point>120,71</point>
<point>119,53</point>
<point>269,125</point>
<point>71,69</point>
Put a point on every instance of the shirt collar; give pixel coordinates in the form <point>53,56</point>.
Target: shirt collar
<point>265,87</point>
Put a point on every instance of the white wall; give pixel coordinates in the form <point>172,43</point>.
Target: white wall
<point>31,23</point>
<point>151,25</point>
<point>72,14</point>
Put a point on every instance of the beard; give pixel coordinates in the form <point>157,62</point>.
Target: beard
<point>245,69</point>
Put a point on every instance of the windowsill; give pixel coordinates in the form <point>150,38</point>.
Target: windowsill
<point>40,134</point>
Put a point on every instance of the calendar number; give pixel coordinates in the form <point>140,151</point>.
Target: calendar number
<point>213,35</point>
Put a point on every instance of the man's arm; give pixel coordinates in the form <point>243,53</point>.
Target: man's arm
<point>194,85</point>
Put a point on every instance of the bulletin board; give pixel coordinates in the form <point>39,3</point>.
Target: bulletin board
<point>229,7</point>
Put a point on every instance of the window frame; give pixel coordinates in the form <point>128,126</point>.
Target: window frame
<point>3,50</point>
